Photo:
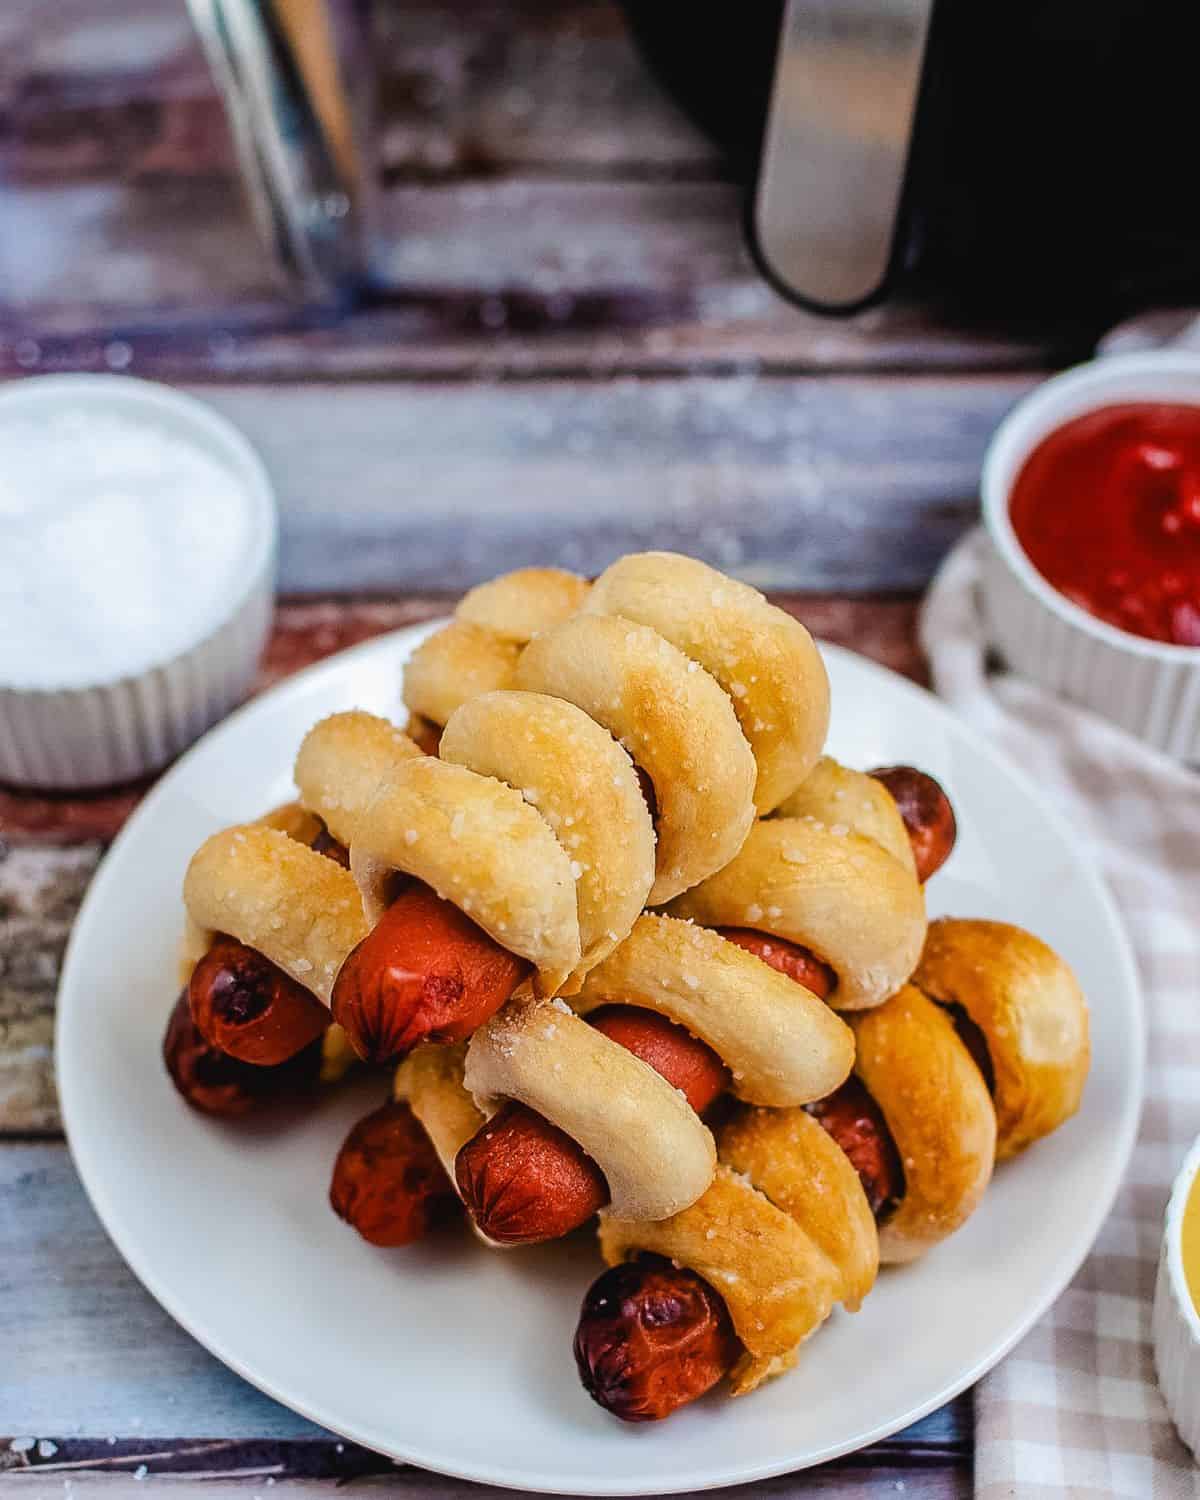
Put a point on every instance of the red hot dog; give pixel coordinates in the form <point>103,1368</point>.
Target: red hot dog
<point>387,1180</point>
<point>245,1010</point>
<point>927,813</point>
<point>246,1007</point>
<point>651,1338</point>
<point>425,973</point>
<point>525,1181</point>
<point>788,958</point>
<point>856,1123</point>
<point>217,1084</point>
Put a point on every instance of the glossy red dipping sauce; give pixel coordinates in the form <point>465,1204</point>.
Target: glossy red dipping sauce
<point>1107,509</point>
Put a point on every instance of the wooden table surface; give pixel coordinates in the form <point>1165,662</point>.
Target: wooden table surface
<point>563,354</point>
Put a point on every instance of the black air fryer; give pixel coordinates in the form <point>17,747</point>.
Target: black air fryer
<point>1031,157</point>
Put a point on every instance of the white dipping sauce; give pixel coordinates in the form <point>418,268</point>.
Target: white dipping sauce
<point>121,545</point>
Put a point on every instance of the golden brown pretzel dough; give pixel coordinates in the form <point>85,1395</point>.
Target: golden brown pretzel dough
<point>455,664</point>
<point>656,1154</point>
<point>430,1079</point>
<point>763,658</point>
<point>477,651</point>
<point>1032,1013</point>
<point>940,1115</point>
<point>789,1163</point>
<point>828,889</point>
<point>338,1056</point>
<point>292,818</point>
<point>675,722</point>
<point>840,797</point>
<point>782,1045</point>
<point>523,603</point>
<point>580,781</point>
<point>342,761</point>
<point>783,1233</point>
<point>479,844</point>
<point>294,906</point>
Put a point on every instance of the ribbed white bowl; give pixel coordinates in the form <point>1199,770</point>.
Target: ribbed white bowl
<point>1148,687</point>
<point>1176,1323</point>
<point>108,732</point>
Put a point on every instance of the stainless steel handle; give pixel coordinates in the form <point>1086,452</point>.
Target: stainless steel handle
<point>296,80</point>
<point>835,150</point>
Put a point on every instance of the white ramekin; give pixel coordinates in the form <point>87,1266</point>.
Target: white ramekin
<point>112,731</point>
<point>1148,687</point>
<point>1176,1323</point>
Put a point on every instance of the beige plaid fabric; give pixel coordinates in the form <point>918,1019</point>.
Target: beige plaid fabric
<point>1075,1409</point>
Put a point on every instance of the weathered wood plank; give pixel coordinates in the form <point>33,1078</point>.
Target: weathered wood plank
<point>53,842</point>
<point>823,484</point>
<point>385,340</point>
<point>835,1482</point>
<point>87,1351</point>
<point>488,278</point>
<point>480,88</point>
<point>40,892</point>
<point>94,251</point>
<point>72,1316</point>
<point>547,207</point>
<point>127,264</point>
<point>951,1481</point>
<point>851,484</point>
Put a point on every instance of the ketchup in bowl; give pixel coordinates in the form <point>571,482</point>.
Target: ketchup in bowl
<point>1107,508</point>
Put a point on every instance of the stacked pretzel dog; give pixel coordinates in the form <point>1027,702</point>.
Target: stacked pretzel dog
<point>640,951</point>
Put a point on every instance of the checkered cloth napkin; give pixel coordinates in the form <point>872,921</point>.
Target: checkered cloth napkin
<point>1075,1410</point>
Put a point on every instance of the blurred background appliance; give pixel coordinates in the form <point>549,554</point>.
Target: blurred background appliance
<point>1023,159</point>
<point>296,77</point>
<point>1026,155</point>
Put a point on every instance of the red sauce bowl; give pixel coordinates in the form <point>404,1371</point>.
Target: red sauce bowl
<point>1091,498</point>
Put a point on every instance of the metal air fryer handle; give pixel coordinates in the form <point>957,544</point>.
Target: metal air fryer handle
<point>826,207</point>
<point>296,79</point>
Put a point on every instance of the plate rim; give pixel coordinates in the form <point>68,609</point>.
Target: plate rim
<point>499,1476</point>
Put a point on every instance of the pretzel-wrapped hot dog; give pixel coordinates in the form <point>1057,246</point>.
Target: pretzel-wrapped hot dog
<point>782,1234</point>
<point>725,1017</point>
<point>614,770</point>
<point>936,1104</point>
<point>654,1152</point>
<point>916,1124</point>
<point>530,827</point>
<point>846,1136</point>
<point>251,1045</point>
<point>782,1046</point>
<point>676,723</point>
<point>1030,1013</point>
<point>274,921</point>
<point>762,657</point>
<point>525,1180</point>
<point>833,874</point>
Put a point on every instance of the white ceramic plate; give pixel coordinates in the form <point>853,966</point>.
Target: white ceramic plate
<point>459,1359</point>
